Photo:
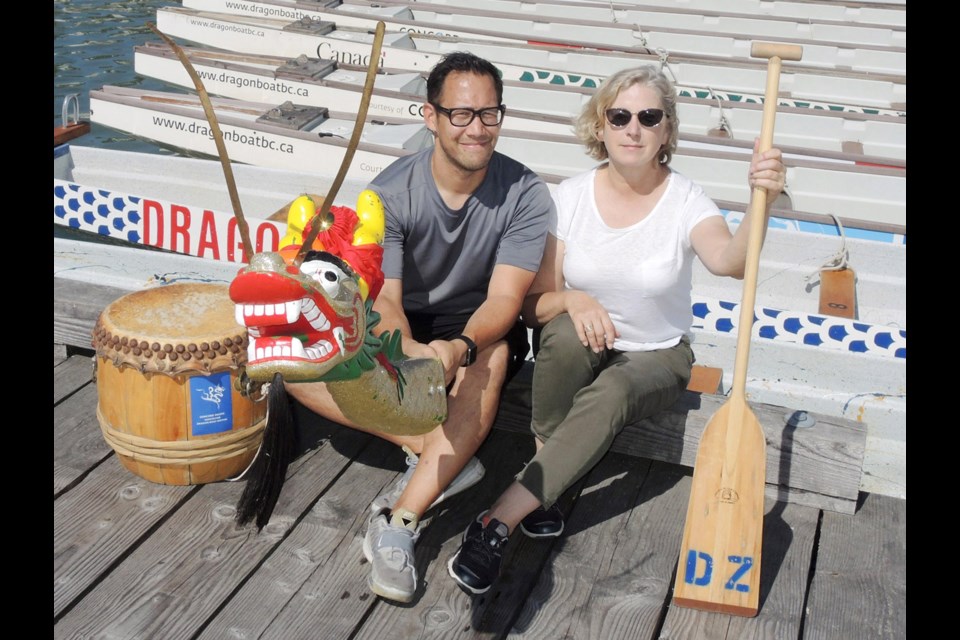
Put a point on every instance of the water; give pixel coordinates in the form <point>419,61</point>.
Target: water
<point>93,45</point>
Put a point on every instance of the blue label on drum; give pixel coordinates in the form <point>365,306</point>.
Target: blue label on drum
<point>211,404</point>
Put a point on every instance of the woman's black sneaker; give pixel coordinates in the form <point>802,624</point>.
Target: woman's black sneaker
<point>543,523</point>
<point>476,564</point>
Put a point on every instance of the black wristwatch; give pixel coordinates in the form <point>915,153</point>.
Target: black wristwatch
<point>471,350</point>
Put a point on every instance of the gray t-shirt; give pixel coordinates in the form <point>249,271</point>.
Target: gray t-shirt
<point>446,258</point>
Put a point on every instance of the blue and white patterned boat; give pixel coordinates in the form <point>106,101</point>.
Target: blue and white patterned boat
<point>111,206</point>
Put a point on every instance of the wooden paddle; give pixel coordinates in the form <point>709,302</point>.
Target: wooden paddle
<point>719,568</point>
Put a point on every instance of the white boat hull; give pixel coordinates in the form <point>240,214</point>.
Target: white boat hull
<point>320,150</point>
<point>181,205</point>
<point>527,63</point>
<point>478,22</point>
<point>531,107</point>
<point>869,197</point>
<point>723,18</point>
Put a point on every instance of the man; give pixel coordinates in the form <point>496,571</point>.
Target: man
<point>465,231</point>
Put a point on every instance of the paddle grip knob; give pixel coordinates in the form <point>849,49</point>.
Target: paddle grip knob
<point>776,50</point>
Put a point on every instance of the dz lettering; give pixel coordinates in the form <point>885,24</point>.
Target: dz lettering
<point>694,558</point>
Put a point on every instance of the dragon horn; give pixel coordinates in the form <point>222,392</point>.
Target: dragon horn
<point>370,227</point>
<point>299,214</point>
<point>371,222</point>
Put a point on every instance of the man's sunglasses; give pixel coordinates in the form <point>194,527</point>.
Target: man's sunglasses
<point>619,118</point>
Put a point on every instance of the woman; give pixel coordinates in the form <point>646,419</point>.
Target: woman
<point>613,298</point>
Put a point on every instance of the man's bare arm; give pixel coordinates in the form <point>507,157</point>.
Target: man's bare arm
<point>492,319</point>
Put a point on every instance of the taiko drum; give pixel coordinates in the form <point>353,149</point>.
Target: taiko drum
<point>170,404</point>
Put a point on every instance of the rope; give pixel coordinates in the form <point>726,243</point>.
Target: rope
<point>613,13</point>
<point>182,452</point>
<point>724,123</point>
<point>637,34</point>
<point>840,259</point>
<point>264,390</point>
<point>662,55</point>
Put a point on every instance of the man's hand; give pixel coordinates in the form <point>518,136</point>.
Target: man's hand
<point>450,353</point>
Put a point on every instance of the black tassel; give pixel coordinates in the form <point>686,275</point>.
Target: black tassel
<point>267,473</point>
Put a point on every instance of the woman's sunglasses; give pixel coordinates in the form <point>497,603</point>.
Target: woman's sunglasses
<point>619,118</point>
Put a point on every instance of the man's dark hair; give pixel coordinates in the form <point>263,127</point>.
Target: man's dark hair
<point>463,62</point>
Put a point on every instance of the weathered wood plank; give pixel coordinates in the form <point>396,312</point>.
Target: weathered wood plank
<point>173,583</point>
<point>441,609</point>
<point>76,307</point>
<point>78,445</point>
<point>317,578</point>
<point>819,466</point>
<point>859,588</point>
<point>70,375</point>
<point>137,559</point>
<point>789,532</point>
<point>68,132</point>
<point>59,354</point>
<point>94,525</point>
<point>610,575</point>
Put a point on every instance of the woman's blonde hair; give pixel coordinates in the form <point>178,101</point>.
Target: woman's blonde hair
<point>589,123</point>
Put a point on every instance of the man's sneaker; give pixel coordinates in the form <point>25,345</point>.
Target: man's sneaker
<point>476,564</point>
<point>543,523</point>
<point>470,475</point>
<point>388,547</point>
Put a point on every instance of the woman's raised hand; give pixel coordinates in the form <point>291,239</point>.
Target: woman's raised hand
<point>767,171</point>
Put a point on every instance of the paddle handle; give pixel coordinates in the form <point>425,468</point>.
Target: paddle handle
<point>775,54</point>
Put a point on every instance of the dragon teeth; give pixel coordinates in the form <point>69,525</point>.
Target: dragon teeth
<point>289,311</point>
<point>292,309</point>
<point>313,315</point>
<point>318,350</point>
<point>257,350</point>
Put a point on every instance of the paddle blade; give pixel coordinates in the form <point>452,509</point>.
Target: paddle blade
<point>719,568</point>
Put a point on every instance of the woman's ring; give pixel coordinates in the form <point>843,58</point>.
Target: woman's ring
<point>588,328</point>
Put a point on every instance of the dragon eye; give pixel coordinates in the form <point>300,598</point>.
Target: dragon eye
<point>325,274</point>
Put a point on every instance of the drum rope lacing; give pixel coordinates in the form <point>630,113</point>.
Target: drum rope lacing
<point>183,452</point>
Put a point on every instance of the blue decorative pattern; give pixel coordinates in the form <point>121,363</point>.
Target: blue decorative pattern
<point>119,216</point>
<point>97,210</point>
<point>825,332</point>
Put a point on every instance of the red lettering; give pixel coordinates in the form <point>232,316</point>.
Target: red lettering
<point>208,235</point>
<point>152,210</point>
<point>179,226</point>
<point>232,242</point>
<point>264,243</point>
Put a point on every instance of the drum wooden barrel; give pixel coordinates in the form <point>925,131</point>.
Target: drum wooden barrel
<point>169,401</point>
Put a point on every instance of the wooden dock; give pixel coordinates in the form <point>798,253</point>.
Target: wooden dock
<point>133,559</point>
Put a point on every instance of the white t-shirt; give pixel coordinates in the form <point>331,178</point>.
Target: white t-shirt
<point>642,274</point>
